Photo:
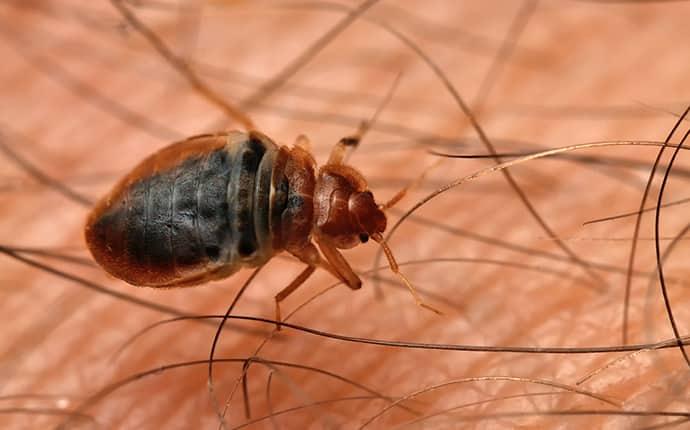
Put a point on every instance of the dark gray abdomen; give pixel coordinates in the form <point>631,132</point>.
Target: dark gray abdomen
<point>196,218</point>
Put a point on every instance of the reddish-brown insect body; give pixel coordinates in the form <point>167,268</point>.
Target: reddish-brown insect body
<point>203,208</point>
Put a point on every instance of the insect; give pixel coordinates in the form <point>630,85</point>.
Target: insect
<point>201,209</point>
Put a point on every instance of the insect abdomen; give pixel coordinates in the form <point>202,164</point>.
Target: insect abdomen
<point>194,211</point>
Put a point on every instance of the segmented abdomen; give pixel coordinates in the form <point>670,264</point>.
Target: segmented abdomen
<point>194,211</point>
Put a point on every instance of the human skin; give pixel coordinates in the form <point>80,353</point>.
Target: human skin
<point>85,97</point>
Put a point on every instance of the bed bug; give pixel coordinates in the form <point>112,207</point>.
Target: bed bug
<point>201,209</point>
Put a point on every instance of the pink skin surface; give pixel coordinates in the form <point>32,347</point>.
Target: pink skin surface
<point>85,97</point>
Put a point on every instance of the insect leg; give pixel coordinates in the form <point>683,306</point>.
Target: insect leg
<point>311,257</point>
<point>285,292</point>
<point>341,266</point>
<point>350,142</point>
<point>303,142</point>
<point>401,194</point>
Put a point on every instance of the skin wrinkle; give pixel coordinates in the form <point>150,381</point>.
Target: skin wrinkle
<point>582,85</point>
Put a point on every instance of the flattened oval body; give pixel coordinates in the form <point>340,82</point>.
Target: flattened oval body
<point>194,211</point>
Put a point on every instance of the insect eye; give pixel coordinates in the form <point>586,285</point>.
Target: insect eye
<point>363,237</point>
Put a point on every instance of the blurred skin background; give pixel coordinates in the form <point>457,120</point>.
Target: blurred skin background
<point>85,97</point>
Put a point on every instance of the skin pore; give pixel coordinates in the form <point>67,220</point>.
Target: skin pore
<point>85,97</point>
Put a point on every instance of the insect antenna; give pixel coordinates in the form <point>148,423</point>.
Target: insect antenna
<point>396,269</point>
